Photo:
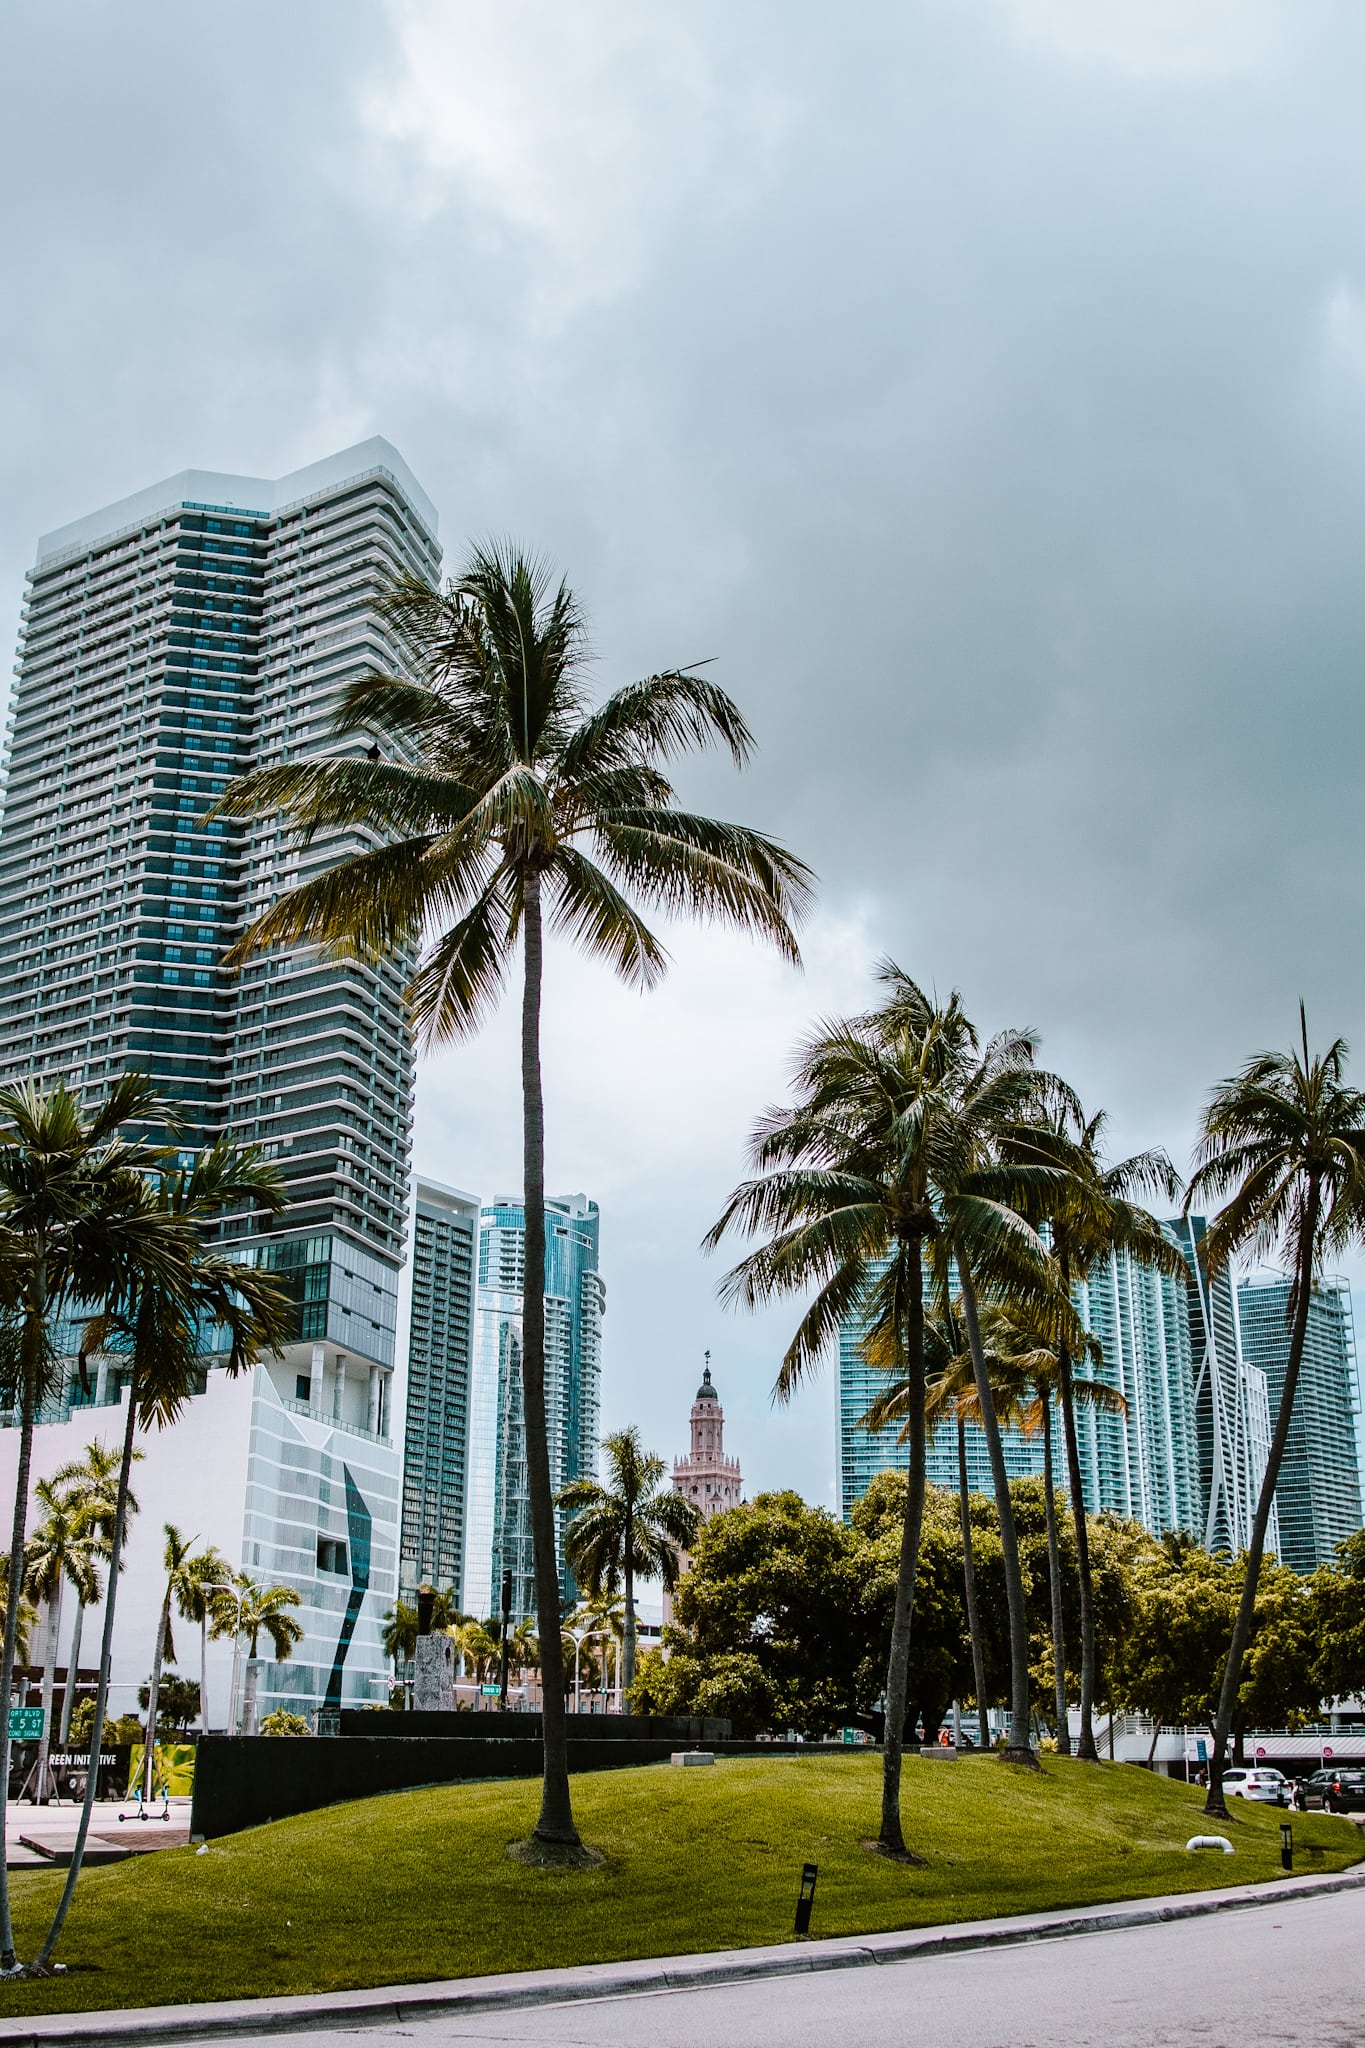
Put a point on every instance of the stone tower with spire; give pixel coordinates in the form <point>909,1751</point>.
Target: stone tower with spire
<point>706,1477</point>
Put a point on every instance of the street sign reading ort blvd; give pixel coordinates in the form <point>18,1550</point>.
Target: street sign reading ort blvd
<point>25,1724</point>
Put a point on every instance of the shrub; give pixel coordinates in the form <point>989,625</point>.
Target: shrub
<point>282,1722</point>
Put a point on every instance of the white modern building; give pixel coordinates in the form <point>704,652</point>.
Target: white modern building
<point>201,628</point>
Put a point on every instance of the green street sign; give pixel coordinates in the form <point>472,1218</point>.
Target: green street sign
<point>490,1692</point>
<point>25,1724</point>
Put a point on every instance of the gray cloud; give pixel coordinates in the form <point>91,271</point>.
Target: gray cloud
<point>983,384</point>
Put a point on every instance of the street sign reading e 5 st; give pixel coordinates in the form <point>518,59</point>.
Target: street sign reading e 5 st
<point>25,1724</point>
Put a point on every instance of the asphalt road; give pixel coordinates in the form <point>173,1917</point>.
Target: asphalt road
<point>1287,1976</point>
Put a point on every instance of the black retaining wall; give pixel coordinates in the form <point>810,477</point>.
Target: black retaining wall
<point>241,1781</point>
<point>682,1730</point>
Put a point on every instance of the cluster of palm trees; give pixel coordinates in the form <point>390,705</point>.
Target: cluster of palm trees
<point>949,1193</point>
<point>202,1588</point>
<point>478,1644</point>
<point>106,1248</point>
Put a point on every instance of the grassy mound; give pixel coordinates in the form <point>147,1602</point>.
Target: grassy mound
<point>419,1885</point>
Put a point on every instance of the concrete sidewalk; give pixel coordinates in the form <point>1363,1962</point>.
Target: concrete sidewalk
<point>273,2018</point>
<point>42,1837</point>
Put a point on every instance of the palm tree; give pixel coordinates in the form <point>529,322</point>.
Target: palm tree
<point>198,1585</point>
<point>878,1163</point>
<point>524,1648</point>
<point>478,1647</point>
<point>77,1217</point>
<point>157,1320</point>
<point>1022,1362</point>
<point>28,1617</point>
<point>634,1526</point>
<point>399,1636</point>
<point>507,800</point>
<point>262,1611</point>
<point>93,1482</point>
<point>1092,1211</point>
<point>175,1558</point>
<point>943,1398</point>
<point>1284,1141</point>
<point>60,1552</point>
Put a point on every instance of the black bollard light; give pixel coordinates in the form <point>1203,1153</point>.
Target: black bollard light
<point>1286,1845</point>
<point>809,1873</point>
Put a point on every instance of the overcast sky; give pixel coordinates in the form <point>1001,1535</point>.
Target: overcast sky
<point>981,383</point>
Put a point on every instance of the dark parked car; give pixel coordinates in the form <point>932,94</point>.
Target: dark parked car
<point>1340,1790</point>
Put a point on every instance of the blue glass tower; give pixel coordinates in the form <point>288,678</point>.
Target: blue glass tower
<point>498,1519</point>
<point>1317,1495</point>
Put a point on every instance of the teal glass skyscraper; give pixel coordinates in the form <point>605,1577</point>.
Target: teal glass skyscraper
<point>1231,1402</point>
<point>1142,1463</point>
<point>201,628</point>
<point>498,1517</point>
<point>1317,1495</point>
<point>440,1360</point>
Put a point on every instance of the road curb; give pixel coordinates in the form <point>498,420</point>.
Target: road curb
<point>245,2019</point>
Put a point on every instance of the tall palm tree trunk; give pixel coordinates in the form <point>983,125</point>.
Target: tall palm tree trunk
<point>1086,1747</point>
<point>1246,1607</point>
<point>891,1839</point>
<point>1054,1573</point>
<point>1018,1750</point>
<point>54,1624</point>
<point>15,1593</point>
<point>969,1587</point>
<point>556,1822</point>
<point>153,1688</point>
<point>72,1669</point>
<point>102,1688</point>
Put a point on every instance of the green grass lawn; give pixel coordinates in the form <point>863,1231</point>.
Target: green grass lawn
<point>418,1885</point>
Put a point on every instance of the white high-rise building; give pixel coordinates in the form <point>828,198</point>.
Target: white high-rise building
<point>196,630</point>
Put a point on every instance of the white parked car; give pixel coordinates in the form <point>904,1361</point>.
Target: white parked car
<point>1270,1787</point>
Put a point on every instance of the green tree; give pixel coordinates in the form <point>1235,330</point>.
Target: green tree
<point>507,800</point>
<point>941,1660</point>
<point>632,1527</point>
<point>945,1399</point>
<point>28,1618</point>
<point>177,1703</point>
<point>61,1552</point>
<point>399,1635</point>
<point>1284,1141</point>
<point>75,1220</point>
<point>198,1587</point>
<point>1338,1621</point>
<point>478,1647</point>
<point>1092,1209</point>
<point>156,1321</point>
<point>772,1587</point>
<point>175,1560</point>
<point>92,1481</point>
<point>261,1611</point>
<point>1023,1354</point>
